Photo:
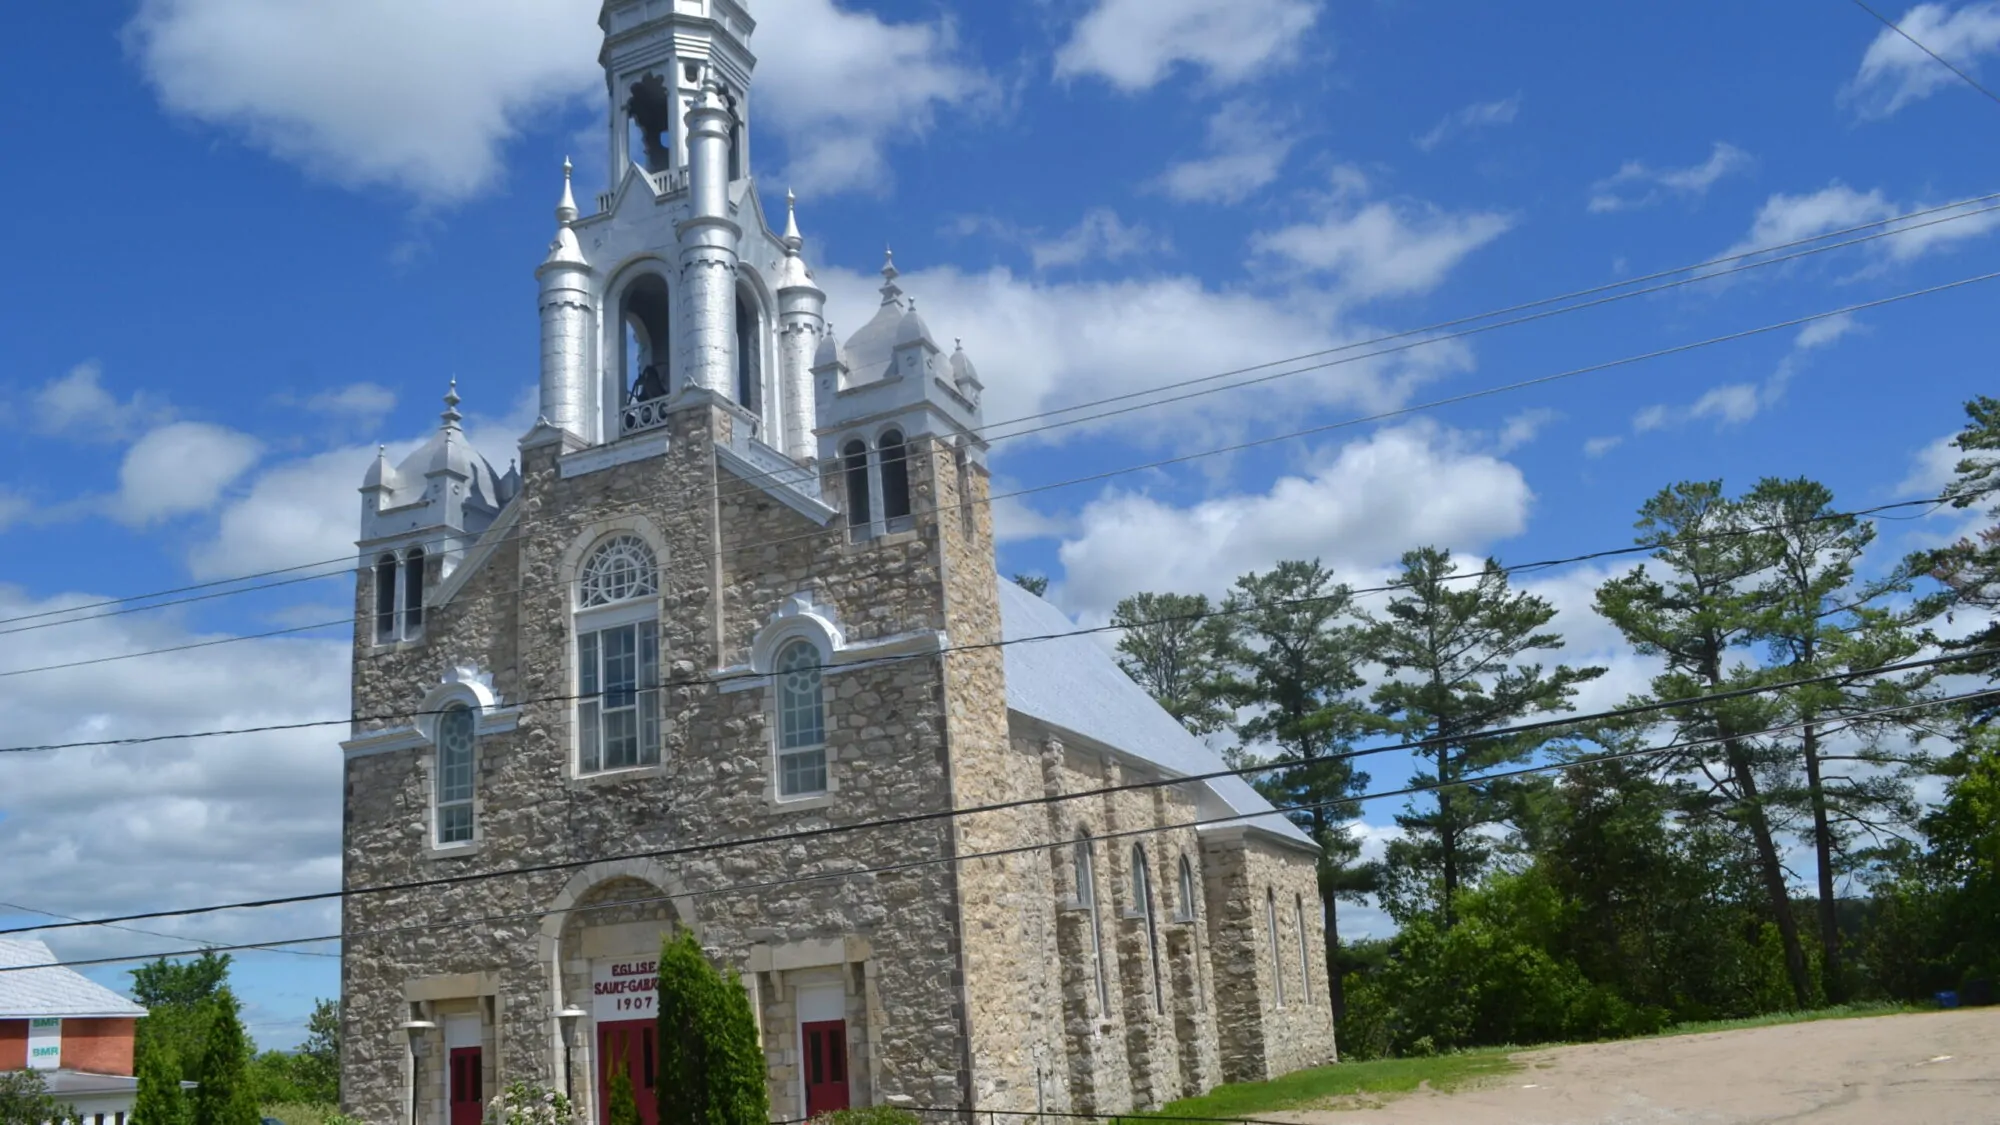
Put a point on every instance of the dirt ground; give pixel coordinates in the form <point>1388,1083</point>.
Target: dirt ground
<point>1930,1069</point>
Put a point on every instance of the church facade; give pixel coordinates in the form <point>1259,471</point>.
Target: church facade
<point>727,651</point>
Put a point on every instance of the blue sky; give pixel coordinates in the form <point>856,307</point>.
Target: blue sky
<point>252,239</point>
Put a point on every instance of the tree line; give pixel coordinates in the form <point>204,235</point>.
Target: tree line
<point>1688,864</point>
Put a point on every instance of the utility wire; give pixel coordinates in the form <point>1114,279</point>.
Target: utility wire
<point>1941,60</point>
<point>15,906</point>
<point>950,814</point>
<point>345,563</point>
<point>1023,849</point>
<point>1328,427</point>
<point>943,650</point>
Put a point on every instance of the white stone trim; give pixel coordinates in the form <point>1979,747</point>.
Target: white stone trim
<point>611,456</point>
<point>804,505</point>
<point>847,658</point>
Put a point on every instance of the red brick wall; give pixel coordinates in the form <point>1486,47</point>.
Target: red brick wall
<point>98,1046</point>
<point>13,1044</point>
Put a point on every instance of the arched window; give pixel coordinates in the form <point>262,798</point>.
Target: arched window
<point>1142,897</point>
<point>618,657</point>
<point>855,458</point>
<point>399,596</point>
<point>1277,963</point>
<point>455,772</point>
<point>749,383</point>
<point>1305,947</point>
<point>893,456</point>
<point>1190,904</point>
<point>413,592</point>
<point>1086,897</point>
<point>387,590</point>
<point>801,722</point>
<point>645,318</point>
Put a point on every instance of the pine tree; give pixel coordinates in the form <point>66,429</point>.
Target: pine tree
<point>1454,650</point>
<point>160,1100</point>
<point>1172,646</point>
<point>224,1095</point>
<point>1820,620</point>
<point>1290,659</point>
<point>711,1071</point>
<point>1698,615</point>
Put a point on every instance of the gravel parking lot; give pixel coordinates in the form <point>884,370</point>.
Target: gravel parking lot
<point>1930,1069</point>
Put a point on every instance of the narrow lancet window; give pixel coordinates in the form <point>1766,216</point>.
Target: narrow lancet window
<point>1142,894</point>
<point>894,456</point>
<point>855,458</point>
<point>801,722</point>
<point>413,593</point>
<point>386,593</point>
<point>455,773</point>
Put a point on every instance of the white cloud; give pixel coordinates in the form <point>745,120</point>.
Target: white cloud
<point>77,405</point>
<point>1895,72</point>
<point>841,86</point>
<point>364,404</point>
<point>1932,468</point>
<point>1382,249</point>
<point>1521,428</point>
<point>1246,151</point>
<point>1134,44</point>
<point>180,469</point>
<point>447,86</point>
<point>1479,115</point>
<point>97,831</point>
<point>1636,185</point>
<point>1100,236</point>
<point>13,508</point>
<point>1599,446</point>
<point>1733,404</point>
<point>1358,507</point>
<point>1044,344</point>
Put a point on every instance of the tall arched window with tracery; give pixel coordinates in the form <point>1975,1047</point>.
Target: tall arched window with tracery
<point>618,657</point>
<point>455,776</point>
<point>801,722</point>
<point>1086,897</point>
<point>1142,896</point>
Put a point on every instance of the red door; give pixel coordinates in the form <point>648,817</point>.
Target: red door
<point>826,1066</point>
<point>629,1044</point>
<point>467,1087</point>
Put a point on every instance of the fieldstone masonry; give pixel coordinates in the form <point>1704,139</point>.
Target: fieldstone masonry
<point>959,952</point>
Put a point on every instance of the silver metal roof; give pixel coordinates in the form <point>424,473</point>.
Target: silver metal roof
<point>1073,684</point>
<point>51,992</point>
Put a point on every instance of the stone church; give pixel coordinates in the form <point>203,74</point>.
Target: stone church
<point>731,617</point>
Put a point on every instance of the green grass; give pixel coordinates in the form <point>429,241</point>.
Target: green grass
<point>1327,1084</point>
<point>1774,1019</point>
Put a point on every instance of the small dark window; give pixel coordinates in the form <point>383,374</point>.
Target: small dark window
<point>385,599</point>
<point>856,456</point>
<point>746,356</point>
<point>413,592</point>
<point>895,477</point>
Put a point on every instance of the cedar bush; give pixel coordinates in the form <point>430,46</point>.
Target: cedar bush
<point>623,1104</point>
<point>159,1100</point>
<point>868,1115</point>
<point>225,1096</point>
<point>710,1069</point>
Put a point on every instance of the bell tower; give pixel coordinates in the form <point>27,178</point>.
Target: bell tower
<point>658,55</point>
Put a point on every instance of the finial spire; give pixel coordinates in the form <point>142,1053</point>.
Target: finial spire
<point>566,211</point>
<point>891,292</point>
<point>451,416</point>
<point>792,238</point>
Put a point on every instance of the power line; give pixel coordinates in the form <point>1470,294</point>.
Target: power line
<point>738,676</point>
<point>345,563</point>
<point>1022,849</point>
<point>149,933</point>
<point>1941,60</point>
<point>950,814</point>
<point>1254,443</point>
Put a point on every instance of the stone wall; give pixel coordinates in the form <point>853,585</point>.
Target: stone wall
<point>730,556</point>
<point>1273,1020</point>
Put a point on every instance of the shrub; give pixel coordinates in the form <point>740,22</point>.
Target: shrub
<point>524,1103</point>
<point>868,1115</point>
<point>623,1105</point>
<point>711,1071</point>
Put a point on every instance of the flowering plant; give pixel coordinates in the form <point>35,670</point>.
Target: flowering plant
<point>524,1103</point>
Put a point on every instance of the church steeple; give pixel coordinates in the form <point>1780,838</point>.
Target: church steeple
<point>657,56</point>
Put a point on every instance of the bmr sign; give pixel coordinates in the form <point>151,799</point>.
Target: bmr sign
<point>624,990</point>
<point>44,1044</point>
